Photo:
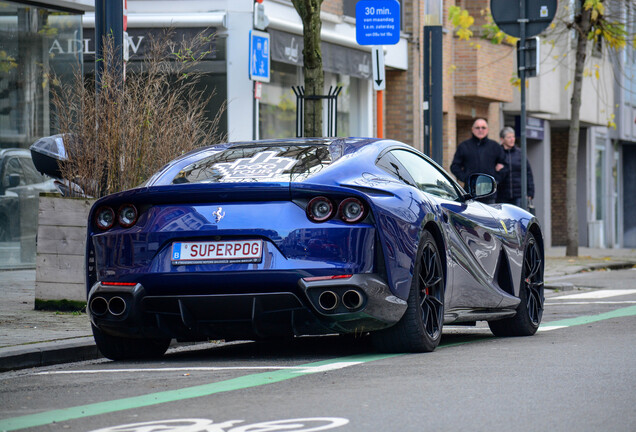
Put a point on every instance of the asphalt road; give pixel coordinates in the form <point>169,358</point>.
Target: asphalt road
<point>577,374</point>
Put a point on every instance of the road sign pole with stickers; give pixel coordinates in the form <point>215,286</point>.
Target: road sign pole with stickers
<point>523,19</point>
<point>378,23</point>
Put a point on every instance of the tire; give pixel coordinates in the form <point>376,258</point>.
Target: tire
<point>420,328</point>
<point>121,348</point>
<point>530,310</point>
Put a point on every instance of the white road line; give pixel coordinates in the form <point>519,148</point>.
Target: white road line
<point>298,369</point>
<point>549,328</point>
<point>464,329</point>
<point>328,367</point>
<point>180,369</point>
<point>596,294</point>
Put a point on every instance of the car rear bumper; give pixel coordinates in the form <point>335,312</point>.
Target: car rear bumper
<point>360,303</point>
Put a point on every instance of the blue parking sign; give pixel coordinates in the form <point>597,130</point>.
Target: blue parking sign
<point>259,56</point>
<point>377,22</point>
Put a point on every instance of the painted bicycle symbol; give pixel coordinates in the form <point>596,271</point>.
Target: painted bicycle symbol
<point>309,424</point>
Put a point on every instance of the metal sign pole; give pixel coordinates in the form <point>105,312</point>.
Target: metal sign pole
<point>433,94</point>
<point>522,72</point>
<point>426,106</point>
<point>437,108</point>
<point>109,21</point>
<point>532,17</point>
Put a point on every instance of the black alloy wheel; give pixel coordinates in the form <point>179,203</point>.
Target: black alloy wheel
<point>431,289</point>
<point>533,281</point>
<point>530,309</point>
<point>420,328</point>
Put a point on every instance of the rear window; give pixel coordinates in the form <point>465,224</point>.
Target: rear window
<point>257,164</point>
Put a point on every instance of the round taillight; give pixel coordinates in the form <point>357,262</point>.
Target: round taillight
<point>105,218</point>
<point>319,209</point>
<point>127,215</point>
<point>352,210</point>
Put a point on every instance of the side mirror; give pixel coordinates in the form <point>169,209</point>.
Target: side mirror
<point>14,180</point>
<point>481,185</point>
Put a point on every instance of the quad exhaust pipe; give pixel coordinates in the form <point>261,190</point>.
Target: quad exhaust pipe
<point>352,299</point>
<point>329,300</point>
<point>116,306</point>
<point>99,306</point>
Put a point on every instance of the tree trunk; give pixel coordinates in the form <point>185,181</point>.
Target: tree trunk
<point>583,28</point>
<point>309,12</point>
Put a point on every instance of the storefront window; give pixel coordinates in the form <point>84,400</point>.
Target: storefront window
<point>277,108</point>
<point>343,66</point>
<point>344,101</point>
<point>38,47</point>
<point>212,81</point>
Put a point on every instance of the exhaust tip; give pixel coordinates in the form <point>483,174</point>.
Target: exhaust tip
<point>352,299</point>
<point>117,306</point>
<point>328,300</point>
<point>99,306</point>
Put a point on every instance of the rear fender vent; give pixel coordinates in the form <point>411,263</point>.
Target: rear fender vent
<point>380,263</point>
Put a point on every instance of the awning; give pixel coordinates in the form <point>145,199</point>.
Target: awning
<point>288,48</point>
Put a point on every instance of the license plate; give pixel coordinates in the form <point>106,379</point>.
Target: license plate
<point>220,252</point>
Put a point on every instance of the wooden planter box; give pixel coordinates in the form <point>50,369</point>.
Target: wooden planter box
<point>61,245</point>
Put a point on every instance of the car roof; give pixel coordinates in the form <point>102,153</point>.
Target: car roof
<point>314,141</point>
<point>345,146</point>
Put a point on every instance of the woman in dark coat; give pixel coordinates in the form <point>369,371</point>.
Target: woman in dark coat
<point>509,187</point>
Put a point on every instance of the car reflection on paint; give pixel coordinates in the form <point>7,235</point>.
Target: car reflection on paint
<point>355,236</point>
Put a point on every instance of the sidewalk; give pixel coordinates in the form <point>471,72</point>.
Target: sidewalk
<point>30,338</point>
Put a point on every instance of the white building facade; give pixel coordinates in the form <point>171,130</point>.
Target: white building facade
<point>268,112</point>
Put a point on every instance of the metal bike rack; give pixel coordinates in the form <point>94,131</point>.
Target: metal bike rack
<point>332,108</point>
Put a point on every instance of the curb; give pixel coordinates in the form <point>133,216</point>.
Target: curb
<point>568,286</point>
<point>560,286</point>
<point>613,266</point>
<point>48,353</point>
<point>576,269</point>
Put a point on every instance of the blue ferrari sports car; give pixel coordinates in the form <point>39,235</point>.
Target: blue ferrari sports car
<point>309,236</point>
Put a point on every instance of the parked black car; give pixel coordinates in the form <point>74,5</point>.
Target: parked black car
<point>20,186</point>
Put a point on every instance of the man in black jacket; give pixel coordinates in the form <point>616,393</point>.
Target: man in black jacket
<point>509,189</point>
<point>479,154</point>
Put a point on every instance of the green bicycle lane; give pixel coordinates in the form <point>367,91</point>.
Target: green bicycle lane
<point>251,380</point>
